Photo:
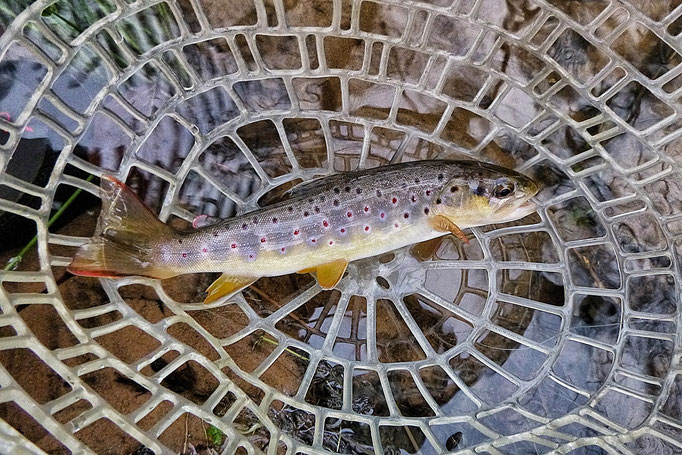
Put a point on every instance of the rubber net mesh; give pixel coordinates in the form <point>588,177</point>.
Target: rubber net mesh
<point>557,333</point>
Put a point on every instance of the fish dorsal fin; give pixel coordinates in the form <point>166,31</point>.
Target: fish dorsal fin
<point>426,250</point>
<point>202,221</point>
<point>443,224</point>
<point>329,274</point>
<point>227,285</point>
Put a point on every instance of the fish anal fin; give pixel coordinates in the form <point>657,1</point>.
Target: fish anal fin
<point>227,285</point>
<point>329,274</point>
<point>426,250</point>
<point>443,224</point>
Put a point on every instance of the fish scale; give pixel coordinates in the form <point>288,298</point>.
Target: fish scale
<point>307,218</point>
<point>321,227</point>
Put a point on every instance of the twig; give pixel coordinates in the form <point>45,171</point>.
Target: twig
<point>295,354</point>
<point>14,262</point>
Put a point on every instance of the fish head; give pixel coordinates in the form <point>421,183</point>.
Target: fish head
<point>480,193</point>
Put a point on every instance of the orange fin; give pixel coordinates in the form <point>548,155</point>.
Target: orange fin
<point>329,274</point>
<point>125,239</point>
<point>227,285</point>
<point>443,224</point>
<point>426,250</point>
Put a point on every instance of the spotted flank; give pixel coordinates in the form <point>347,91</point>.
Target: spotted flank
<point>322,227</point>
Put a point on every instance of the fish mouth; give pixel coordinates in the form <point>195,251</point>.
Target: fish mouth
<point>526,208</point>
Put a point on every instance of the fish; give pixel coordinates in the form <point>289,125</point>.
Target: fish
<point>319,228</point>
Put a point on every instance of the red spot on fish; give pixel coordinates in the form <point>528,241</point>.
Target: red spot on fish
<point>349,214</point>
<point>331,242</point>
<point>233,246</point>
<point>342,230</point>
<point>366,228</point>
<point>313,240</point>
<point>325,223</point>
<point>428,192</point>
<point>396,225</point>
<point>205,250</point>
<point>296,232</point>
<point>413,198</point>
<point>262,240</point>
<point>282,249</point>
<point>406,216</point>
<point>382,215</point>
<point>394,200</point>
<point>184,255</point>
<point>366,209</point>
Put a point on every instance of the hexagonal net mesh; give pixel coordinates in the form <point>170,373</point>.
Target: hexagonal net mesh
<point>556,333</point>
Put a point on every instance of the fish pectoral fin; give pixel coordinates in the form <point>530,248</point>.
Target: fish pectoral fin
<point>329,274</point>
<point>227,285</point>
<point>426,250</point>
<point>443,224</point>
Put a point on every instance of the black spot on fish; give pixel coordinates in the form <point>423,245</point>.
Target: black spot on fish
<point>378,193</point>
<point>454,189</point>
<point>347,189</point>
<point>274,220</point>
<point>480,191</point>
<point>317,209</point>
<point>244,226</point>
<point>336,202</point>
<point>358,190</point>
<point>406,216</point>
<point>438,201</point>
<point>306,213</point>
<point>426,210</point>
<point>417,181</point>
<point>440,177</point>
<point>337,190</point>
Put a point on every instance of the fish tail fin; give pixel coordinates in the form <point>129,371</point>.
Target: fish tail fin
<point>123,244</point>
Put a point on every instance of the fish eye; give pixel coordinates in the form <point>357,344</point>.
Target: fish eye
<point>503,190</point>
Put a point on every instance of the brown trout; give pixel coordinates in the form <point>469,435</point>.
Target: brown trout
<point>324,225</point>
